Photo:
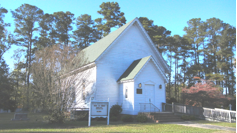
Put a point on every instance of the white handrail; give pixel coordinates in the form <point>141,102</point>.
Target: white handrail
<point>225,110</point>
<point>150,108</point>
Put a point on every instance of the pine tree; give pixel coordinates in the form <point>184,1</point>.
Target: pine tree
<point>195,34</point>
<point>112,18</point>
<point>62,23</point>
<point>85,33</point>
<point>48,34</point>
<point>158,34</point>
<point>5,37</point>
<point>26,18</point>
<point>6,89</point>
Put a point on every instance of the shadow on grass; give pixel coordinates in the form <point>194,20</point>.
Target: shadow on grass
<point>36,122</point>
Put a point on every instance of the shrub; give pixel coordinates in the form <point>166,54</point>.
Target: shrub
<point>141,118</point>
<point>56,117</point>
<point>80,115</point>
<point>127,118</point>
<point>115,110</point>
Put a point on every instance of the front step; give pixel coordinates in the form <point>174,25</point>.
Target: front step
<point>163,117</point>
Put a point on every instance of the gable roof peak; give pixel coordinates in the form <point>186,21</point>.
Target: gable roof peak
<point>136,67</point>
<point>93,52</point>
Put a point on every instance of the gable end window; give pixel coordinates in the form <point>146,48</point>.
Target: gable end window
<point>139,91</point>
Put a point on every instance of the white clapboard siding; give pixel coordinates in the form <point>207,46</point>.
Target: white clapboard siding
<point>130,46</point>
<point>113,59</point>
<point>151,76</point>
<point>128,102</point>
<point>88,77</point>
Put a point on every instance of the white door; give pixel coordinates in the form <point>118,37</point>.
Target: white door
<point>149,94</point>
<point>149,98</point>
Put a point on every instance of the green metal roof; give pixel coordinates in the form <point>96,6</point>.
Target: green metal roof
<point>133,69</point>
<point>91,53</point>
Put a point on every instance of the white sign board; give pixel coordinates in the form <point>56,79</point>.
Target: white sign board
<point>98,109</point>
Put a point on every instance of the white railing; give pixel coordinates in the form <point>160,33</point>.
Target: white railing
<point>148,107</point>
<point>219,115</point>
<point>201,112</point>
<point>187,109</point>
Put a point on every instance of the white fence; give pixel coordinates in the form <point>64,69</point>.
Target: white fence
<point>219,115</point>
<point>201,112</point>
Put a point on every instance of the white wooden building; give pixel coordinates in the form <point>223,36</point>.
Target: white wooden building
<point>125,67</point>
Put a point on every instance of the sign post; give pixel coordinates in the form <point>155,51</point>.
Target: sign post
<point>98,109</point>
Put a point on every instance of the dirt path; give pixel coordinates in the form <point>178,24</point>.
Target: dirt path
<point>207,126</point>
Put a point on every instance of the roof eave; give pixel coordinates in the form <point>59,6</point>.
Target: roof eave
<point>126,80</point>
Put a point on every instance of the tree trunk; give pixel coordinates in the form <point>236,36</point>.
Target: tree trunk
<point>29,64</point>
<point>170,74</point>
<point>175,79</point>
<point>232,77</point>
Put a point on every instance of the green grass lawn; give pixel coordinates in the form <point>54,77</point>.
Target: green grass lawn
<point>36,124</point>
<point>224,124</point>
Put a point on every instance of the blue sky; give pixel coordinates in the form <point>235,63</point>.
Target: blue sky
<point>172,14</point>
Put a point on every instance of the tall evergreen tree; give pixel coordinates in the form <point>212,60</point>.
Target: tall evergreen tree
<point>214,26</point>
<point>158,34</point>
<point>48,34</point>
<point>213,44</point>
<point>18,78</point>
<point>26,18</point>
<point>63,21</point>
<point>5,37</point>
<point>6,89</point>
<point>225,55</point>
<point>170,48</point>
<point>112,18</point>
<point>195,34</point>
<point>85,33</point>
